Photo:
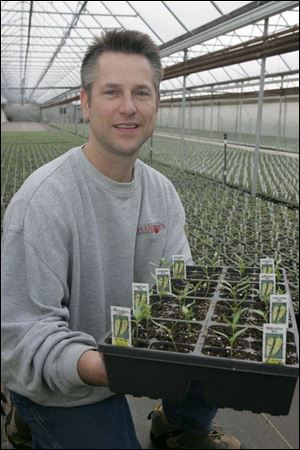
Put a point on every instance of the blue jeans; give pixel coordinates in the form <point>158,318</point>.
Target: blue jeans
<point>192,414</point>
<point>107,424</point>
<point>104,425</point>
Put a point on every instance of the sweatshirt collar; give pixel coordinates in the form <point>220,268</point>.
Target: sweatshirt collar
<point>102,180</point>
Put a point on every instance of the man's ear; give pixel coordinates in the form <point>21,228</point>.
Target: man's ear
<point>157,101</point>
<point>84,101</point>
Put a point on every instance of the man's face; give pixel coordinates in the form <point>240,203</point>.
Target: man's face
<point>123,103</point>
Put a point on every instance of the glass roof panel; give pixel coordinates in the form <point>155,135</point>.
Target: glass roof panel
<point>193,15</point>
<point>118,8</point>
<point>289,61</point>
<point>150,13</point>
<point>228,7</point>
<point>48,54</point>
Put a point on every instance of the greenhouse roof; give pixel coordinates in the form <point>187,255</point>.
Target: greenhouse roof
<point>43,44</point>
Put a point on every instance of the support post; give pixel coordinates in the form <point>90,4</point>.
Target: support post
<point>259,118</point>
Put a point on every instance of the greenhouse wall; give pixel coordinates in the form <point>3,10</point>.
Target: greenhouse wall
<point>237,117</point>
<point>3,116</point>
<point>63,113</point>
<point>16,112</point>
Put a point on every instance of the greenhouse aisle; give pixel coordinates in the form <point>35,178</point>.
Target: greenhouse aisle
<point>25,126</point>
<point>257,431</point>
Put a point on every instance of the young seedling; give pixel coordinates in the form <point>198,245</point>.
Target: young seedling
<point>167,330</point>
<point>237,290</point>
<point>261,313</point>
<point>215,262</point>
<point>277,269</point>
<point>188,314</point>
<point>233,323</point>
<point>181,294</point>
<point>142,312</point>
<point>242,266</point>
<point>231,339</point>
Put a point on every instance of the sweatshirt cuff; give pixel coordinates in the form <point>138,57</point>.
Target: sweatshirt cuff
<point>70,362</point>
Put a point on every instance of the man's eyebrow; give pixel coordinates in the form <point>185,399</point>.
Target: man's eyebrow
<point>116,85</point>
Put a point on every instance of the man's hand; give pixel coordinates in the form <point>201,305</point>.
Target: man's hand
<point>91,368</point>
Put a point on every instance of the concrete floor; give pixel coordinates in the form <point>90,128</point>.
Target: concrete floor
<point>25,126</point>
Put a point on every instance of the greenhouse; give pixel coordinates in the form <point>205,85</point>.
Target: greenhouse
<point>226,134</point>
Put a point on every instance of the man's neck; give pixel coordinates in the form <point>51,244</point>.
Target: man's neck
<point>115,167</point>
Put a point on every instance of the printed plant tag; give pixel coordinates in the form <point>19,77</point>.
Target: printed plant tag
<point>121,326</point>
<point>274,343</point>
<point>267,265</point>
<point>163,281</point>
<point>266,285</point>
<point>140,295</point>
<point>279,309</point>
<point>179,267</point>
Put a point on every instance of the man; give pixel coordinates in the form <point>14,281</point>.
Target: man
<point>73,244</point>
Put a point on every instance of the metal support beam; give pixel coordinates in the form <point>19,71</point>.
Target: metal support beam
<point>246,15</point>
<point>275,44</point>
<point>234,82</point>
<point>183,104</point>
<point>240,113</point>
<point>211,115</point>
<point>259,118</point>
<point>27,52</point>
<point>60,46</point>
<point>280,115</point>
<point>225,160</point>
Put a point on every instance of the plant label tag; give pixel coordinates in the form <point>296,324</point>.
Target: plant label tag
<point>140,295</point>
<point>163,281</point>
<point>267,265</point>
<point>179,267</point>
<point>279,309</point>
<point>274,343</point>
<point>266,285</point>
<point>121,326</point>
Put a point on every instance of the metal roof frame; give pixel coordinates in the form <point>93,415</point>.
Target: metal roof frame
<point>30,28</point>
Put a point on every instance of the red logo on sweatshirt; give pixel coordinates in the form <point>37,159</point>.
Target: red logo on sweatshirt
<point>149,228</point>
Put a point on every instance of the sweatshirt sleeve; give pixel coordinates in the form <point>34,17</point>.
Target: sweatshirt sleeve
<point>39,351</point>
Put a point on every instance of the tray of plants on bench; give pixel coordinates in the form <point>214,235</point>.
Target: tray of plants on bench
<point>232,330</point>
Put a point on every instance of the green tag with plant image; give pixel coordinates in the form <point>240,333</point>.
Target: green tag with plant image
<point>274,343</point>
<point>163,281</point>
<point>279,309</point>
<point>267,265</point>
<point>179,267</point>
<point>140,295</point>
<point>266,286</point>
<point>121,326</point>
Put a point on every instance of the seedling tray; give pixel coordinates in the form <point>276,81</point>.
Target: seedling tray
<point>228,382</point>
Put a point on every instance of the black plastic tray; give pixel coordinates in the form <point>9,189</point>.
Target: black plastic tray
<point>238,384</point>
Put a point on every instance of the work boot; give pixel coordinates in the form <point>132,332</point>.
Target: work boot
<point>17,431</point>
<point>164,435</point>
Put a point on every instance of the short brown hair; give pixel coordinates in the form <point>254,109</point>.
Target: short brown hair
<point>124,41</point>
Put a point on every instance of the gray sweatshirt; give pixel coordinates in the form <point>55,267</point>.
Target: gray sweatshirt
<point>74,241</point>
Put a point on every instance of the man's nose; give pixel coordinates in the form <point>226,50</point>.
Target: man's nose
<point>127,105</point>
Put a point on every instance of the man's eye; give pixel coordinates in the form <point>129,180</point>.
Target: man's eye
<point>143,93</point>
<point>110,92</point>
